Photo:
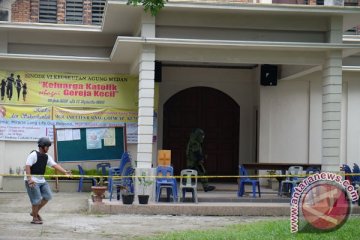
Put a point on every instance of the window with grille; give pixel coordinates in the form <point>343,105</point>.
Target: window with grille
<point>74,12</point>
<point>97,11</point>
<point>351,3</point>
<point>47,11</point>
<point>4,15</point>
<point>353,31</point>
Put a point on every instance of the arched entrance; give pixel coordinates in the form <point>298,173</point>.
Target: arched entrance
<point>214,112</point>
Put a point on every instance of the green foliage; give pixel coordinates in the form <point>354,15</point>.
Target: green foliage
<point>89,172</point>
<point>49,171</point>
<point>127,183</point>
<point>153,6</point>
<point>260,230</point>
<point>143,182</point>
<point>92,172</point>
<point>100,181</point>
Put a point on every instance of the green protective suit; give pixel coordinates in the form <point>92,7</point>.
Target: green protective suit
<point>194,154</point>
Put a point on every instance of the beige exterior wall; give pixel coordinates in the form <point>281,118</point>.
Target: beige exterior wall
<point>353,118</point>
<point>238,84</point>
<point>290,116</point>
<point>290,113</point>
<point>241,27</point>
<point>284,122</point>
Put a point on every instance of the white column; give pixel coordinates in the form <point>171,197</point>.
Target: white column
<point>3,42</point>
<point>334,33</point>
<point>146,95</point>
<point>2,161</point>
<point>331,99</point>
<point>147,25</point>
<point>3,49</point>
<point>331,111</point>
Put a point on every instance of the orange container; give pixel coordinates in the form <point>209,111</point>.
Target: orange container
<point>164,157</point>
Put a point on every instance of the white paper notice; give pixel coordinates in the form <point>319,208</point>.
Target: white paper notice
<point>68,135</point>
<point>109,137</point>
<point>60,134</point>
<point>76,134</point>
<point>93,138</point>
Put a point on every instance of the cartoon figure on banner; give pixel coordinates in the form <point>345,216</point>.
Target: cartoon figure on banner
<point>3,85</point>
<point>2,111</point>
<point>18,84</point>
<point>9,86</point>
<point>24,92</point>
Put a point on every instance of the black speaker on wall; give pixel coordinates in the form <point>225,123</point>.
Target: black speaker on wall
<point>158,71</point>
<point>268,76</point>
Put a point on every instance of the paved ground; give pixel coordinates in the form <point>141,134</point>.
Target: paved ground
<point>66,217</point>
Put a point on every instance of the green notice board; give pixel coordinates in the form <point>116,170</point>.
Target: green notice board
<point>87,144</point>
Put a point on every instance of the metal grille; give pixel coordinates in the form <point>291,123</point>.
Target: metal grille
<point>47,11</point>
<point>4,15</point>
<point>97,11</point>
<point>353,31</point>
<point>351,2</point>
<point>74,12</point>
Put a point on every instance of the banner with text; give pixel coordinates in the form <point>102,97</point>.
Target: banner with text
<point>22,130</point>
<point>32,103</point>
<point>69,89</point>
<point>25,123</point>
<point>25,112</point>
<point>105,117</point>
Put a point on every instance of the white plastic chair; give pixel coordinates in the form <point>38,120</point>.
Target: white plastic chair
<point>188,182</point>
<point>291,181</point>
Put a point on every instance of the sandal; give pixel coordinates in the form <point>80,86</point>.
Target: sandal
<point>36,221</point>
<point>40,219</point>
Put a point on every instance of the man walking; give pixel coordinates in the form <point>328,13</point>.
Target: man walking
<point>37,188</point>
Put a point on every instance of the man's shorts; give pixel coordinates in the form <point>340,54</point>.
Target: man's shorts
<point>38,192</point>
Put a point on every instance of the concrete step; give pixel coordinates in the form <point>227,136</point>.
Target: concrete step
<point>199,209</point>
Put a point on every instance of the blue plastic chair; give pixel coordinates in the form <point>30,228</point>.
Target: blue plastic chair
<point>354,180</point>
<point>347,170</point>
<point>311,170</point>
<point>244,180</point>
<point>166,182</point>
<point>103,167</point>
<point>81,179</point>
<point>124,162</point>
<point>356,169</point>
<point>126,181</point>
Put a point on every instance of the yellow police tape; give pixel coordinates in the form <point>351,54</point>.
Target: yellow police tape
<point>119,177</point>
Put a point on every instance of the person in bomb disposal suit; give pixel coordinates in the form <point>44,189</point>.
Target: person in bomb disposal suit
<point>37,188</point>
<point>195,157</point>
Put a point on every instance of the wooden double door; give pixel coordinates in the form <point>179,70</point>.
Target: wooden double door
<point>214,112</point>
